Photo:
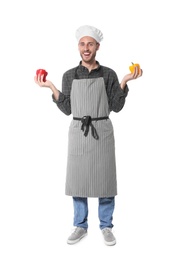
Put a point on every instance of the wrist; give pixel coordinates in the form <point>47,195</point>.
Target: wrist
<point>55,92</point>
<point>123,84</point>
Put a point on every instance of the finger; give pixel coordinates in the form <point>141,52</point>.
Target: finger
<point>140,73</point>
<point>35,79</point>
<point>38,78</point>
<point>42,76</point>
<point>135,73</point>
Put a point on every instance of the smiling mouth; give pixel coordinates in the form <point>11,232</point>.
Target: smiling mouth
<point>86,54</point>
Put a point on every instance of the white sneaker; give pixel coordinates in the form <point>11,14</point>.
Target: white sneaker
<point>78,234</point>
<point>108,236</point>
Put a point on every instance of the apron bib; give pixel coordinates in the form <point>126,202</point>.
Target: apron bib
<point>91,166</point>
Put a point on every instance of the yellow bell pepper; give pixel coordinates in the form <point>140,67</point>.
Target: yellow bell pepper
<point>132,67</point>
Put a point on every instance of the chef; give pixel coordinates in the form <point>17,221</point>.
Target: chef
<point>90,92</point>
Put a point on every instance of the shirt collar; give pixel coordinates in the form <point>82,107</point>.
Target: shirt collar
<point>83,67</point>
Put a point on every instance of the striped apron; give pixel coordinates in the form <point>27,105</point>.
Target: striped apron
<point>91,167</point>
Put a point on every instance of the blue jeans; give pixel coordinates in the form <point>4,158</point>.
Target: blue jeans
<point>105,212</point>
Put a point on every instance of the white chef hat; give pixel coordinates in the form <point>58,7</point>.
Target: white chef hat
<point>87,30</point>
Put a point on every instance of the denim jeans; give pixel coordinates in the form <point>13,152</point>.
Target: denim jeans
<point>105,212</point>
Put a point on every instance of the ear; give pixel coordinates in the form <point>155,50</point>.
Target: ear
<point>97,46</point>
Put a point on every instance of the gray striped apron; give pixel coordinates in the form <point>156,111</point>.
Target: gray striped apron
<point>91,167</point>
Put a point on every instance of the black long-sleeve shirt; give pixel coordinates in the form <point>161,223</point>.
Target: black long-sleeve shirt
<point>116,95</point>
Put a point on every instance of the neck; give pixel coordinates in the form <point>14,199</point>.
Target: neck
<point>90,65</point>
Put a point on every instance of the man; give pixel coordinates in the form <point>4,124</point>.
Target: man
<point>90,92</point>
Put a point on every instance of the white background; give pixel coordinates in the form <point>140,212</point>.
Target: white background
<point>35,215</point>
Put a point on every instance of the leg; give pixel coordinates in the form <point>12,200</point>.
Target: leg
<point>80,220</point>
<point>106,208</point>
<point>80,212</point>
<point>105,211</point>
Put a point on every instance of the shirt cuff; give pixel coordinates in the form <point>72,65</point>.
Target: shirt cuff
<point>124,91</point>
<point>60,99</point>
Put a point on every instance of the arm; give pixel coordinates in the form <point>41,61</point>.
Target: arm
<point>48,84</point>
<point>63,102</point>
<point>116,94</point>
<point>62,99</point>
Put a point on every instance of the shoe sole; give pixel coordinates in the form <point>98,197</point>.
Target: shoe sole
<point>110,243</point>
<point>71,242</point>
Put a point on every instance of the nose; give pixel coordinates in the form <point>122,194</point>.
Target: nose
<point>86,47</point>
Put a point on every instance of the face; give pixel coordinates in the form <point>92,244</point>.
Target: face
<point>87,48</point>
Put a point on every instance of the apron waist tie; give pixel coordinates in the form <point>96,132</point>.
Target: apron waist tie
<point>87,122</point>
